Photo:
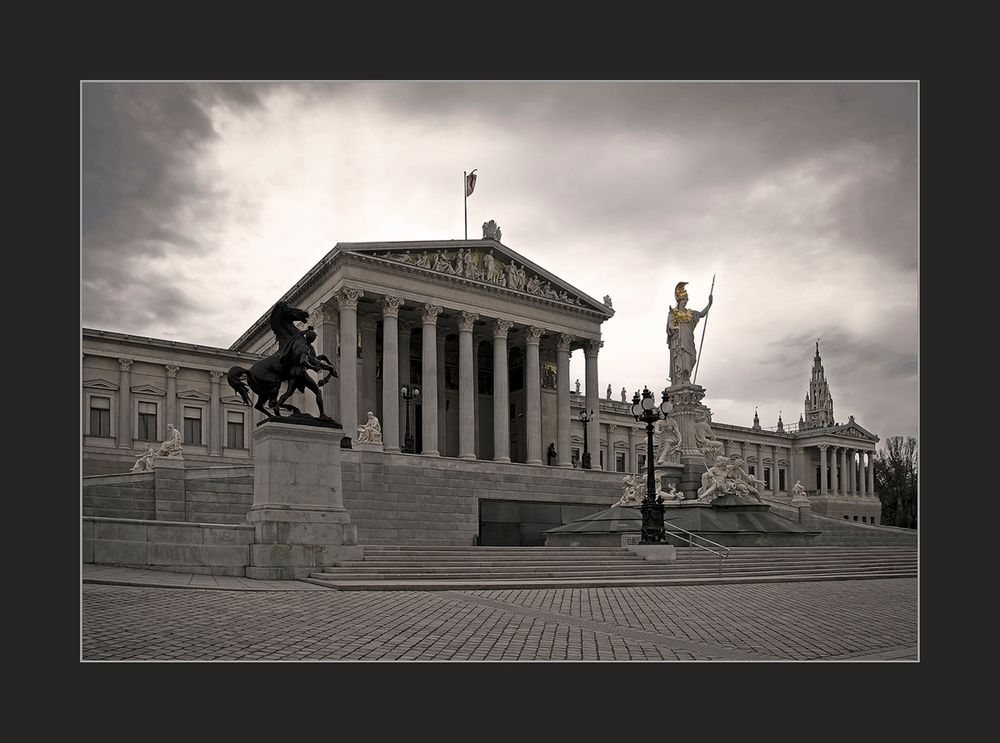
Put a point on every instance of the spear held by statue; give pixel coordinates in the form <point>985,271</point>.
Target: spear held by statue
<point>704,327</point>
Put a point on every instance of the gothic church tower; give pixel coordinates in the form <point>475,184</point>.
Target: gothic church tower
<point>819,401</point>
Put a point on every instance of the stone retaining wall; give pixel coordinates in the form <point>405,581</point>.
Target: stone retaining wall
<point>410,499</point>
<point>184,547</point>
<point>173,492</point>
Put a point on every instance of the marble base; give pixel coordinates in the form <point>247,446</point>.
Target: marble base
<point>300,523</point>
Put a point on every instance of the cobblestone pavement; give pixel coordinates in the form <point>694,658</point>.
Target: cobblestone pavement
<point>841,620</point>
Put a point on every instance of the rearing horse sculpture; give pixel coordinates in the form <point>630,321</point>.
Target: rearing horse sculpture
<point>290,363</point>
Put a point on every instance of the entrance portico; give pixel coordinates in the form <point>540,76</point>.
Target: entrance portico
<point>430,313</point>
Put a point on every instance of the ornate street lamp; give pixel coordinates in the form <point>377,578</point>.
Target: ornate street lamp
<point>646,410</point>
<point>408,393</point>
<point>585,419</point>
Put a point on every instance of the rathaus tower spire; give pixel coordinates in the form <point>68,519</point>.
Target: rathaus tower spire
<point>819,401</point>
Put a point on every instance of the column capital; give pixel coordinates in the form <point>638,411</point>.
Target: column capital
<point>563,341</point>
<point>591,348</point>
<point>533,335</point>
<point>319,315</point>
<point>467,320</point>
<point>172,370</point>
<point>216,376</point>
<point>390,306</point>
<point>823,447</point>
<point>347,298</point>
<point>429,314</point>
<point>501,328</point>
<point>125,364</point>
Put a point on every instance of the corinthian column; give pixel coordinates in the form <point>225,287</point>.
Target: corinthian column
<point>871,473</point>
<point>533,395</point>
<point>390,372</point>
<point>215,423</point>
<point>429,372</point>
<point>347,299</point>
<point>501,392</point>
<point>563,342</point>
<point>590,350</point>
<point>834,478</point>
<point>124,438</point>
<point>172,416</point>
<point>466,388</point>
<point>822,468</point>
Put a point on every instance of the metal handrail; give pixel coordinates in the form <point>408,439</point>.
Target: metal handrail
<point>722,551</point>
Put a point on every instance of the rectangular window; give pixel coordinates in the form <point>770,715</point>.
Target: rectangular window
<point>642,462</point>
<point>781,481</point>
<point>620,462</point>
<point>575,457</point>
<point>234,430</point>
<point>100,416</point>
<point>767,478</point>
<point>192,426</point>
<point>855,518</point>
<point>751,470</point>
<point>147,421</point>
<point>602,459</point>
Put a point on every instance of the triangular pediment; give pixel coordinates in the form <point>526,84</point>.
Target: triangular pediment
<point>854,431</point>
<point>100,384</point>
<point>233,400</point>
<point>484,262</point>
<point>193,395</point>
<point>148,389</point>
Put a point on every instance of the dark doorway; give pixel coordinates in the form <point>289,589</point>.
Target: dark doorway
<point>505,523</point>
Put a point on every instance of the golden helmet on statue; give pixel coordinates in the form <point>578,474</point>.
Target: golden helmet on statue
<point>679,291</point>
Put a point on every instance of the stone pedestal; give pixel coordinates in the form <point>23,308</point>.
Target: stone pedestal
<point>300,524</point>
<point>168,479</point>
<point>686,400</point>
<point>368,446</point>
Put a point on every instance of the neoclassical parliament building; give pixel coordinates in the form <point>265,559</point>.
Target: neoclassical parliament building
<point>486,336</point>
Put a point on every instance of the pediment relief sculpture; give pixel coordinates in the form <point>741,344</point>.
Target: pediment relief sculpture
<point>482,265</point>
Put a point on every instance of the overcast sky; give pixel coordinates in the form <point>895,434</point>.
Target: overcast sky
<point>204,203</point>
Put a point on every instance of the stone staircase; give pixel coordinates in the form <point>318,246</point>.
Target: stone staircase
<point>413,568</point>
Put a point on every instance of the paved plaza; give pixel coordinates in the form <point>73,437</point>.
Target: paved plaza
<point>147,615</point>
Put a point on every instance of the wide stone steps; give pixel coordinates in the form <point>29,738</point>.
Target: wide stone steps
<point>469,568</point>
<point>496,566</point>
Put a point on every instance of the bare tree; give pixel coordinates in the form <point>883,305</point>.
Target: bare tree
<point>896,469</point>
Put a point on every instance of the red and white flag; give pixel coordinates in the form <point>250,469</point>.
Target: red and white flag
<point>470,183</point>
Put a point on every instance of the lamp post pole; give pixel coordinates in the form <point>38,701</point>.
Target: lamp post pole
<point>646,410</point>
<point>408,393</point>
<point>585,419</point>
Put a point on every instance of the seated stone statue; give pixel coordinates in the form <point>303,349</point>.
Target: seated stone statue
<point>171,446</point>
<point>145,462</point>
<point>715,482</point>
<point>799,493</point>
<point>371,431</point>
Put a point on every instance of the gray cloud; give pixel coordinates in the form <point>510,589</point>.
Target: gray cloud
<point>783,188</point>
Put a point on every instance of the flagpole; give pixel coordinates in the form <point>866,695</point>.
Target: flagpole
<point>465,192</point>
<point>702,344</point>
